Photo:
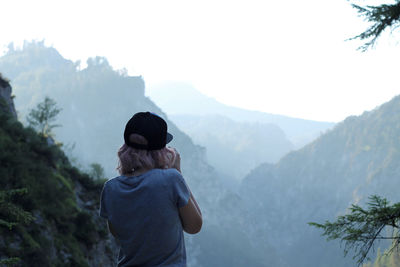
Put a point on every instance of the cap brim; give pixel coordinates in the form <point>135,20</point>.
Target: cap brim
<point>169,138</point>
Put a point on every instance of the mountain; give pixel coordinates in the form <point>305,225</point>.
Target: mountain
<point>183,99</point>
<point>265,224</point>
<point>359,157</point>
<point>96,102</point>
<point>228,143</point>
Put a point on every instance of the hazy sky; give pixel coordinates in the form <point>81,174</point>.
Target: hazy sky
<point>285,57</point>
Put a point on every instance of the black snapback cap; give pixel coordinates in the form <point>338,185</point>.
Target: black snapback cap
<point>150,126</point>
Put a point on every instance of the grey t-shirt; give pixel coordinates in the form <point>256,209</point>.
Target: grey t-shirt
<point>143,211</point>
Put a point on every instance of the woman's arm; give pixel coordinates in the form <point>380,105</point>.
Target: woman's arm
<point>190,214</point>
<point>191,217</point>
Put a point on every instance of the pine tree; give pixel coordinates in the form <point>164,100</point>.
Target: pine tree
<point>362,228</point>
<point>382,17</point>
<point>96,171</point>
<point>43,116</point>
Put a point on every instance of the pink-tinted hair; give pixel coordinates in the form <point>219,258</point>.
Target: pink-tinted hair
<point>131,159</point>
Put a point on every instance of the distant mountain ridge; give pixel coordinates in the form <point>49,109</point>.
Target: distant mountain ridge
<point>183,99</point>
<point>229,143</point>
<point>357,158</point>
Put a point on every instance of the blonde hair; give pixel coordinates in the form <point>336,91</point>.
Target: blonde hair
<point>133,159</point>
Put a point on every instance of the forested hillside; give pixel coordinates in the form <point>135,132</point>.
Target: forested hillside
<point>48,208</point>
<point>356,159</point>
<point>96,102</point>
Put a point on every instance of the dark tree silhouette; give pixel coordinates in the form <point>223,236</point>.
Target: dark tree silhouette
<point>381,17</point>
<point>362,228</point>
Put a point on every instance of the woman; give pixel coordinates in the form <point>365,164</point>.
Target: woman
<point>149,205</point>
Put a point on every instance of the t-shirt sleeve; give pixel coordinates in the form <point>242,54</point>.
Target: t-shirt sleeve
<point>103,199</point>
<point>181,190</point>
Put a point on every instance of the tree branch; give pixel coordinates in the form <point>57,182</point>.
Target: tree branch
<point>381,17</point>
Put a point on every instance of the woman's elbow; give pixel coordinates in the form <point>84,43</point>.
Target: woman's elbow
<point>194,228</point>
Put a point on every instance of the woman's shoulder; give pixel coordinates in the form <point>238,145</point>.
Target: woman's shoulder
<point>171,175</point>
<point>110,183</point>
<point>172,172</point>
<point>120,180</point>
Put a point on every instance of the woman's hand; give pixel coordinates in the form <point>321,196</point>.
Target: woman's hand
<point>176,159</point>
<point>177,163</point>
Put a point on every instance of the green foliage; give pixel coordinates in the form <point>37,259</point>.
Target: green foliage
<point>96,171</point>
<point>382,17</point>
<point>41,225</point>
<point>10,261</point>
<point>84,232</point>
<point>43,116</point>
<point>361,228</point>
<point>11,214</point>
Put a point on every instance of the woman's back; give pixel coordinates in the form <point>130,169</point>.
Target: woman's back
<point>144,213</point>
<point>149,206</point>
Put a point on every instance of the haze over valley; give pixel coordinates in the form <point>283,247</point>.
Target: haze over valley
<point>233,136</point>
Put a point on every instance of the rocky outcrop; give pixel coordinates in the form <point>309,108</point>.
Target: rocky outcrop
<point>6,99</point>
<point>105,250</point>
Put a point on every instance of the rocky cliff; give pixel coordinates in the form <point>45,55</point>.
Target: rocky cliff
<point>6,102</point>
